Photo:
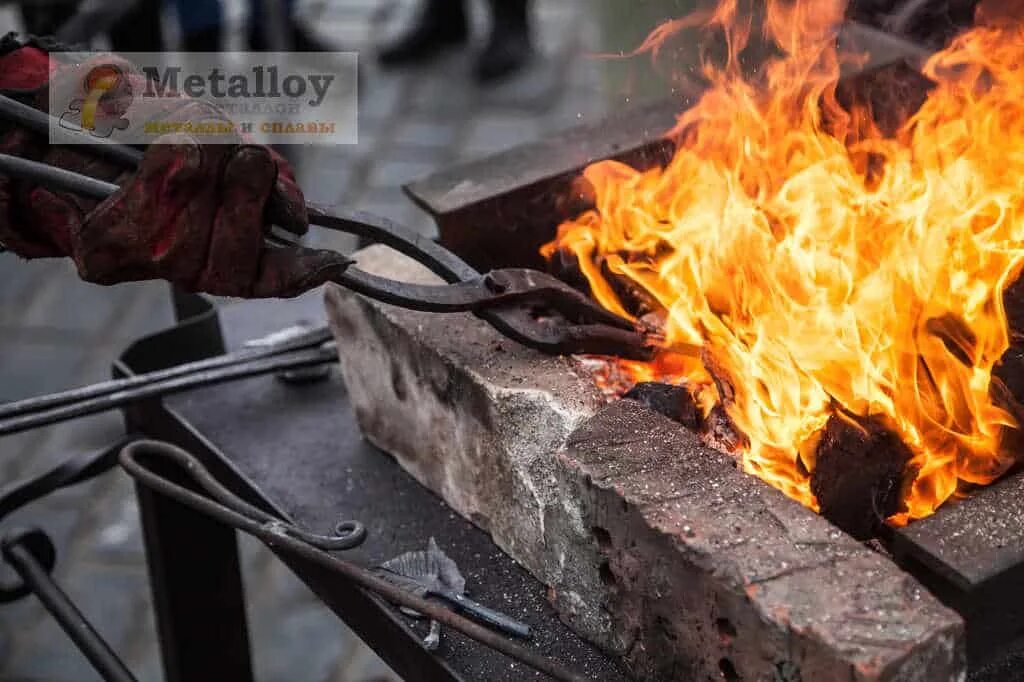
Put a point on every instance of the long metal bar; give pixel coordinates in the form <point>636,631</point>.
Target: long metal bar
<point>311,339</point>
<point>276,540</point>
<point>442,262</point>
<point>56,178</point>
<point>102,403</point>
<point>67,615</point>
<point>43,124</point>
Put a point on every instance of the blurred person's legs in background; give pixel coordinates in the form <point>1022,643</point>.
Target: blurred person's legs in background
<point>297,37</point>
<point>440,24</point>
<point>202,27</point>
<point>202,24</point>
<point>44,18</point>
<point>509,46</point>
<point>139,30</point>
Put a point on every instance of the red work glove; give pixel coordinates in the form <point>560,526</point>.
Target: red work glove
<point>193,214</point>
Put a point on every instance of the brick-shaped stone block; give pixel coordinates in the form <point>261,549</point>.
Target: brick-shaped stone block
<point>653,545</point>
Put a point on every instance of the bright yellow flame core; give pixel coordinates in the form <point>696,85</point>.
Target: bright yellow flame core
<point>816,284</point>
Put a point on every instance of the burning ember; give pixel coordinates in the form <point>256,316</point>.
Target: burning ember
<point>808,264</point>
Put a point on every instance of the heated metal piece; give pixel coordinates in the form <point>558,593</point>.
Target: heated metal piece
<point>143,459</point>
<point>431,573</point>
<point>528,306</point>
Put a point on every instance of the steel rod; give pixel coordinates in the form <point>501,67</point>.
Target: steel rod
<point>311,339</point>
<point>56,178</point>
<point>103,403</point>
<point>43,124</point>
<point>67,615</point>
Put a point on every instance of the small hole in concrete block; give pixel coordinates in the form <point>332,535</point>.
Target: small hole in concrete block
<point>666,628</point>
<point>607,576</point>
<point>725,628</point>
<point>603,537</point>
<point>728,670</point>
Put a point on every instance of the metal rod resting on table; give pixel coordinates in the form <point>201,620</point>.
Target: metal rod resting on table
<point>17,553</point>
<point>102,403</point>
<point>311,339</point>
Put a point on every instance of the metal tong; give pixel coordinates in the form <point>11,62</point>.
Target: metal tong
<point>528,306</point>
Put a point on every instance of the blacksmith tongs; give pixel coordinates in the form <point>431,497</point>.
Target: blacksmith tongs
<point>528,306</point>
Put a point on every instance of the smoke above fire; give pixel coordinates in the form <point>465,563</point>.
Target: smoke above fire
<point>821,261</point>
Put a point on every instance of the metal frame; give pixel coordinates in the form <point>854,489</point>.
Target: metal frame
<point>194,569</point>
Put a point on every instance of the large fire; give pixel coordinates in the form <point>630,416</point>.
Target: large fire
<point>824,265</point>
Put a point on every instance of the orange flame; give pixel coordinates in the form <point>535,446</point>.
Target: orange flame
<point>826,266</point>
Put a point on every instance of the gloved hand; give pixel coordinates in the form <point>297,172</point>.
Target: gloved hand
<point>194,213</point>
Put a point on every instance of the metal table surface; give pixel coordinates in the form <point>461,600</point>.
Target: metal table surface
<point>298,446</point>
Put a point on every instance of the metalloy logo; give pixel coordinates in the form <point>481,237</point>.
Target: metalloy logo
<point>272,98</point>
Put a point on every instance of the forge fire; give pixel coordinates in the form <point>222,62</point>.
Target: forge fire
<point>806,262</point>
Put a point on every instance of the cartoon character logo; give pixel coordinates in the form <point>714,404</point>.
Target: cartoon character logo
<point>108,95</point>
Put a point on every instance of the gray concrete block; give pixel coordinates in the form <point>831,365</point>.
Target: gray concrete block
<point>459,404</point>
<point>654,546</point>
<point>717,573</point>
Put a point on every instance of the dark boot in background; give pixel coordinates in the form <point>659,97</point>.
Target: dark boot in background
<point>139,30</point>
<point>440,24</point>
<point>43,19</point>
<point>510,46</point>
<point>205,40</point>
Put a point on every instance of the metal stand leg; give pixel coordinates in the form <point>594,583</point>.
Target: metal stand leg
<point>194,572</point>
<point>31,554</point>
<point>197,592</point>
